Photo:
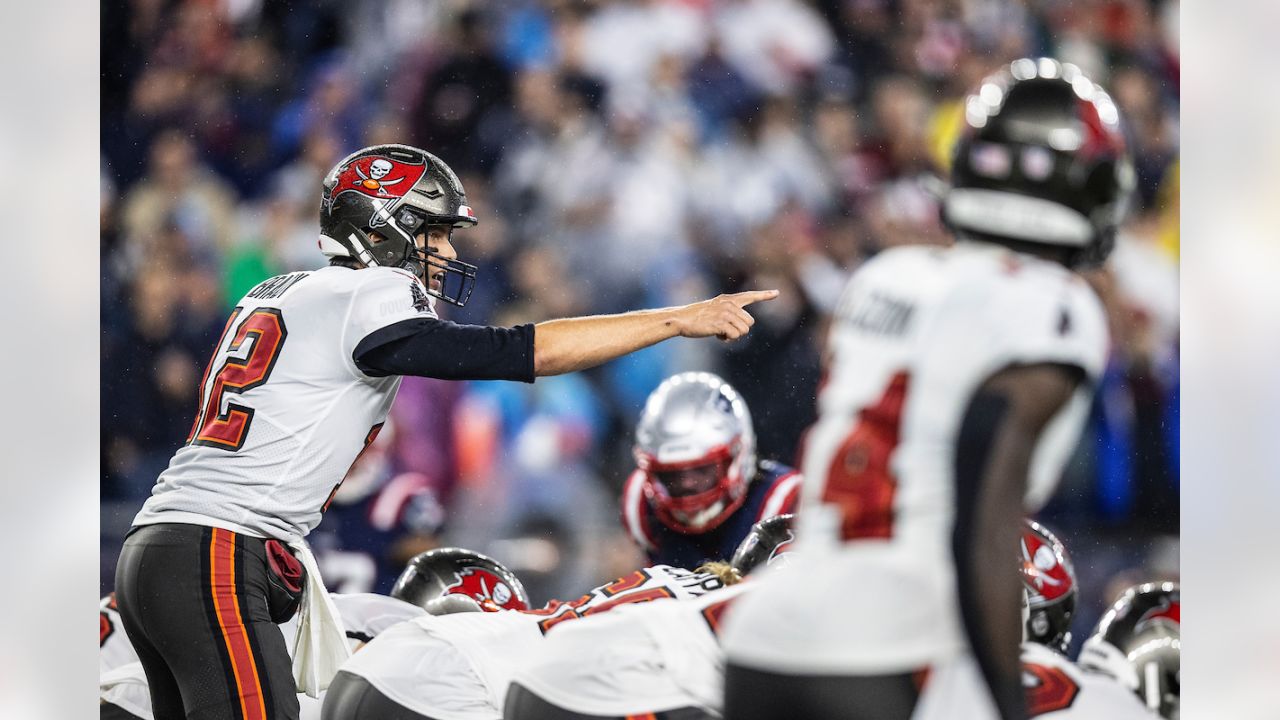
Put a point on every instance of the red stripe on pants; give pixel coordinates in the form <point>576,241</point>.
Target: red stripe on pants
<point>222,583</point>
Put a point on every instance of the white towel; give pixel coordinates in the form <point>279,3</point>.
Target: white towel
<point>321,645</point>
<point>126,687</point>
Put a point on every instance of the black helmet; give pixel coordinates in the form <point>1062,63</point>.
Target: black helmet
<point>1041,161</point>
<point>1050,583</point>
<point>445,571</point>
<point>395,190</point>
<point>769,540</point>
<point>1138,641</point>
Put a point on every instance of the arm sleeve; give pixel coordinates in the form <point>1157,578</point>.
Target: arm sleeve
<point>430,347</point>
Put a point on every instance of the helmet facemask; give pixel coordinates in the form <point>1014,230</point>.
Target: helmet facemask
<point>694,495</point>
<point>457,279</point>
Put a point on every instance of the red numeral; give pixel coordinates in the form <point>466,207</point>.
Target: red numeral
<point>105,628</point>
<point>1049,689</point>
<point>714,614</point>
<point>622,591</point>
<point>368,440</point>
<point>859,480</point>
<point>227,430</point>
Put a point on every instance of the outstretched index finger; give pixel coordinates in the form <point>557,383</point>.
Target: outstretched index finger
<point>743,299</point>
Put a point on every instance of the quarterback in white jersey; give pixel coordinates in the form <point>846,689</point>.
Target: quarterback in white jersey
<point>458,666</point>
<point>957,383</point>
<point>300,382</point>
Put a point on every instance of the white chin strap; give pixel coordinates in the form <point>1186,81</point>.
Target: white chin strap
<point>332,248</point>
<point>1018,216</point>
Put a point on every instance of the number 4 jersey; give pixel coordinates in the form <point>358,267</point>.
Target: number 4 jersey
<point>916,333</point>
<point>284,410</point>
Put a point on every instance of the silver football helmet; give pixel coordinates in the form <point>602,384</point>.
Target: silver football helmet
<point>697,450</point>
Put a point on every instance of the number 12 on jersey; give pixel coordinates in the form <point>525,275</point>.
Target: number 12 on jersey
<point>244,358</point>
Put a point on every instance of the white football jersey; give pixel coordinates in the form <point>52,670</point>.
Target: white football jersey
<point>638,659</point>
<point>1057,689</point>
<point>917,331</point>
<point>284,410</point>
<point>458,667</point>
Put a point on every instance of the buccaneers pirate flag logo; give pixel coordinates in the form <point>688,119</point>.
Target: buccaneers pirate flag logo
<point>378,177</point>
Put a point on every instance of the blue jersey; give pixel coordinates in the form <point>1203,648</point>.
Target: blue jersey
<point>773,491</point>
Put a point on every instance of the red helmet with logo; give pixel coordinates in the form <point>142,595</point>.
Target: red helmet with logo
<point>697,451</point>
<point>443,572</point>
<point>1050,583</point>
<point>396,191</point>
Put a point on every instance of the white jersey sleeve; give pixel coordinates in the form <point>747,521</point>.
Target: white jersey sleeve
<point>386,297</point>
<point>284,410</point>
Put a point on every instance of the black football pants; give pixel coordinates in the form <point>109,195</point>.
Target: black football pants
<point>193,601</point>
<point>351,697</point>
<point>522,704</point>
<point>756,695</point>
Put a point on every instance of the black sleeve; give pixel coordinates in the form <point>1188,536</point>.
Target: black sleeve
<point>429,347</point>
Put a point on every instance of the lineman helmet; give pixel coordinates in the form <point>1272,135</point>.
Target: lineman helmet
<point>1138,641</point>
<point>442,572</point>
<point>697,451</point>
<point>1050,583</point>
<point>768,543</point>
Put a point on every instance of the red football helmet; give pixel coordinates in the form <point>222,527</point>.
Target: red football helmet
<point>1050,583</point>
<point>697,451</point>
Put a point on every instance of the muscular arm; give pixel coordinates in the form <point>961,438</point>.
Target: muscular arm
<point>562,346</point>
<point>998,434</point>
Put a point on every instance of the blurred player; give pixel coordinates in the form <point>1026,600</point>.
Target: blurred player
<point>1139,642</point>
<point>299,384</point>
<point>660,660</point>
<point>698,487</point>
<point>458,666</point>
<point>957,382</point>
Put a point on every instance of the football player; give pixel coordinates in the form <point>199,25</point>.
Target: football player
<point>698,487</point>
<point>957,383</point>
<point>457,666</point>
<point>1139,642</point>
<point>660,660</point>
<point>300,382</point>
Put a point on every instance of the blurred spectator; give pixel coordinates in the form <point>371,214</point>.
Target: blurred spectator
<point>178,192</point>
<point>469,84</point>
<point>777,62</point>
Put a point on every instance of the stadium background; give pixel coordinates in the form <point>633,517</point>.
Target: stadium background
<point>620,154</point>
